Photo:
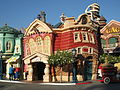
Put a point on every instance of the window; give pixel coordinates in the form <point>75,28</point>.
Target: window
<point>8,45</point>
<point>27,49</point>
<point>113,42</point>
<point>47,43</point>
<point>32,45</point>
<point>84,19</point>
<point>84,37</point>
<point>76,36</point>
<point>91,38</point>
<point>103,43</point>
<point>91,50</point>
<point>79,50</point>
<point>39,42</point>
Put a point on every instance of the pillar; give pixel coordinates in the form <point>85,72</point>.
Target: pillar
<point>46,77</point>
<point>30,73</point>
<point>94,69</point>
<point>7,70</point>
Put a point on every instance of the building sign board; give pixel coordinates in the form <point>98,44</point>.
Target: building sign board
<point>112,30</point>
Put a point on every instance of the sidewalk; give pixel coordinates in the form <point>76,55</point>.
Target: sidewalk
<point>50,83</point>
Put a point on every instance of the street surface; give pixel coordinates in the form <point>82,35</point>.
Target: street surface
<point>33,86</point>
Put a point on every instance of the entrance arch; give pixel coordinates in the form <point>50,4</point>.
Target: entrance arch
<point>38,70</point>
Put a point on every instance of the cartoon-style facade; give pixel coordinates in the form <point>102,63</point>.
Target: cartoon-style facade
<point>10,47</point>
<point>42,39</point>
<point>110,37</point>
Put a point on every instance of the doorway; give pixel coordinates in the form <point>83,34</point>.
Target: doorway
<point>88,70</point>
<point>38,70</point>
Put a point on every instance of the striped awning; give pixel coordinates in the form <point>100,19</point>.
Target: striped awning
<point>12,59</point>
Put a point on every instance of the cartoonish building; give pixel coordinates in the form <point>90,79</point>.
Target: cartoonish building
<point>42,39</point>
<point>110,37</point>
<point>10,47</point>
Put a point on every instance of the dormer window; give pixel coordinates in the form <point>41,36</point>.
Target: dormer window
<point>84,19</point>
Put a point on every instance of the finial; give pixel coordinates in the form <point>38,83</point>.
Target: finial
<point>62,18</point>
<point>42,16</point>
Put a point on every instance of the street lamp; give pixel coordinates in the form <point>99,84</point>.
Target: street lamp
<point>1,65</point>
<point>74,65</point>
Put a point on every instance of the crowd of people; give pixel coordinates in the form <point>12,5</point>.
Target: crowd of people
<point>14,73</point>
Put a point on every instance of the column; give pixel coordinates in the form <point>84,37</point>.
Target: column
<point>7,70</point>
<point>46,77</point>
<point>94,69</point>
<point>30,73</point>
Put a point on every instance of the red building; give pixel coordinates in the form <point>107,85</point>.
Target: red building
<point>42,39</point>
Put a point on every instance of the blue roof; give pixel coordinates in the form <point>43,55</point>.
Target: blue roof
<point>57,25</point>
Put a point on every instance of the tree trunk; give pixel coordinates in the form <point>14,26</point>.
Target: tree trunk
<point>69,73</point>
<point>53,74</point>
<point>60,74</point>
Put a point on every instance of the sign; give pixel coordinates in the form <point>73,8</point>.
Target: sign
<point>112,30</point>
<point>37,59</point>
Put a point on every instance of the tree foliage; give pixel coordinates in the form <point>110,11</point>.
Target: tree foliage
<point>60,58</point>
<point>110,58</point>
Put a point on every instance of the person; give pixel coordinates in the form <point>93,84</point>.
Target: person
<point>11,73</point>
<point>17,73</point>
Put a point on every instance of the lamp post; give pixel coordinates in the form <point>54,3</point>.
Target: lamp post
<point>74,66</point>
<point>1,65</point>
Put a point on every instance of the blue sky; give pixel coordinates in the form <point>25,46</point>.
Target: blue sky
<point>20,13</point>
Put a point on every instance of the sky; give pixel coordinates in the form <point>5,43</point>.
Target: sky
<point>20,13</point>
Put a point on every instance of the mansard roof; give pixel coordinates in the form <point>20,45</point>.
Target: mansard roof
<point>8,29</point>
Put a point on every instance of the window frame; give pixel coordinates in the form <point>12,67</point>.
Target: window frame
<point>78,37</point>
<point>86,36</point>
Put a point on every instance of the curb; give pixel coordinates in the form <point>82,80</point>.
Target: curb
<point>79,83</point>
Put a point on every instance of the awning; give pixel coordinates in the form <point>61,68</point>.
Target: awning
<point>12,59</point>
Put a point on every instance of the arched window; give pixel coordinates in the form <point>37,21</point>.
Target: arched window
<point>27,48</point>
<point>47,43</point>
<point>32,45</point>
<point>39,42</point>
<point>8,45</point>
<point>103,43</point>
<point>113,42</point>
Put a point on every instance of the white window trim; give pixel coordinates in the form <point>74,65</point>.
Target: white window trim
<point>80,50</point>
<point>86,34</point>
<point>78,40</point>
<point>91,50</point>
<point>91,36</point>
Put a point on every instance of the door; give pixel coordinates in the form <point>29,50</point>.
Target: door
<point>38,70</point>
<point>88,70</point>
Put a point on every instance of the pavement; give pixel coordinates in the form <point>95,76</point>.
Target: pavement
<point>51,83</point>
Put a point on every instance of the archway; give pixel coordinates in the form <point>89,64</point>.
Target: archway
<point>38,70</point>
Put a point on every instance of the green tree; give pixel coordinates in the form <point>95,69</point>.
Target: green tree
<point>60,59</point>
<point>109,58</point>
